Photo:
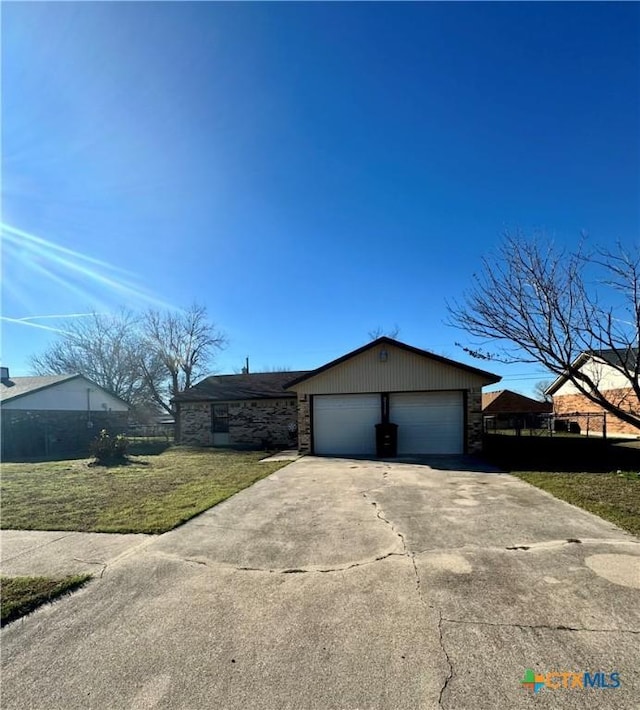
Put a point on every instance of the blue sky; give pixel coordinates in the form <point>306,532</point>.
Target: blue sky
<point>308,171</point>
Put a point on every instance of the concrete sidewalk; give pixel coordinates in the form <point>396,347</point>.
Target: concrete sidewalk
<point>57,553</point>
<point>347,585</point>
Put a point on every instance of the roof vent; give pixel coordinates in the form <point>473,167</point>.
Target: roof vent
<point>4,373</point>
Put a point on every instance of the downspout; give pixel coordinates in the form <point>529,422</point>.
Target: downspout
<point>89,423</point>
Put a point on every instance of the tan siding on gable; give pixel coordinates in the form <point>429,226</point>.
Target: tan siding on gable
<point>403,371</point>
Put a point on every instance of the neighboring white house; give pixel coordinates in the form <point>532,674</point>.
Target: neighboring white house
<point>603,367</point>
<point>55,414</point>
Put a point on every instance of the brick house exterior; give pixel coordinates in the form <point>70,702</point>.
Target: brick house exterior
<point>338,408</point>
<point>255,424</point>
<point>568,401</point>
<point>577,405</point>
<point>247,411</point>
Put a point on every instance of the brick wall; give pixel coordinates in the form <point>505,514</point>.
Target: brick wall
<point>266,423</point>
<point>570,403</point>
<point>39,433</point>
<point>304,423</point>
<point>262,423</point>
<point>474,421</point>
<point>195,423</point>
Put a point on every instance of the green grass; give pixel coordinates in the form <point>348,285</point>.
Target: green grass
<point>21,595</point>
<point>152,494</point>
<point>612,496</point>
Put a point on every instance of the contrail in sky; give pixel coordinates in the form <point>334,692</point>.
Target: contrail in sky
<point>62,315</point>
<point>21,321</point>
<point>88,278</point>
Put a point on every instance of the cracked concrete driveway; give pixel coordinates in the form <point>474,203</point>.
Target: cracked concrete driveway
<point>340,584</point>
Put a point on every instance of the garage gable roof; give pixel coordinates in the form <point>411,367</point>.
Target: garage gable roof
<point>489,377</point>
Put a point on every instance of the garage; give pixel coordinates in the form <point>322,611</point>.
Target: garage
<point>436,403</point>
<point>428,422</point>
<point>345,424</point>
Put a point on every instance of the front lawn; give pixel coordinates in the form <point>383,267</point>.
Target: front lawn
<point>21,595</point>
<point>152,494</point>
<point>612,496</point>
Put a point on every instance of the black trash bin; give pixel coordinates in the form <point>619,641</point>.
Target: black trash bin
<point>387,440</point>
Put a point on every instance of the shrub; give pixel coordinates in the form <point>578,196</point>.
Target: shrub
<point>109,449</point>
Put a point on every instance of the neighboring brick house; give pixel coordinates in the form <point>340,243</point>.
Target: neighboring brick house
<point>435,403</point>
<point>604,368</point>
<point>55,414</point>
<point>506,409</point>
<point>251,410</point>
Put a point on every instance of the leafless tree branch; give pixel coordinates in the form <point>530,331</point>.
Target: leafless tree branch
<point>143,359</point>
<point>536,303</point>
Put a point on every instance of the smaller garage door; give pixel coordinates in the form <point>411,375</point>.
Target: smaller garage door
<point>428,422</point>
<point>345,424</point>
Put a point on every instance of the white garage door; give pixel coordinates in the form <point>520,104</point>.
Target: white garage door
<point>428,422</point>
<point>345,424</point>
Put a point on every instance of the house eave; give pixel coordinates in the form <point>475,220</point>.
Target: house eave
<point>562,379</point>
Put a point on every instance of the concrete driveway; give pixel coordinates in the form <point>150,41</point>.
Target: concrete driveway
<point>353,585</point>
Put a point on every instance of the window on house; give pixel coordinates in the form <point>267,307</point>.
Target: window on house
<point>220,418</point>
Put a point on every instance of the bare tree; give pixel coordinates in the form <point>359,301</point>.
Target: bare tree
<point>540,304</point>
<point>106,349</point>
<point>143,359</point>
<point>378,332</point>
<point>184,342</point>
<point>540,389</point>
